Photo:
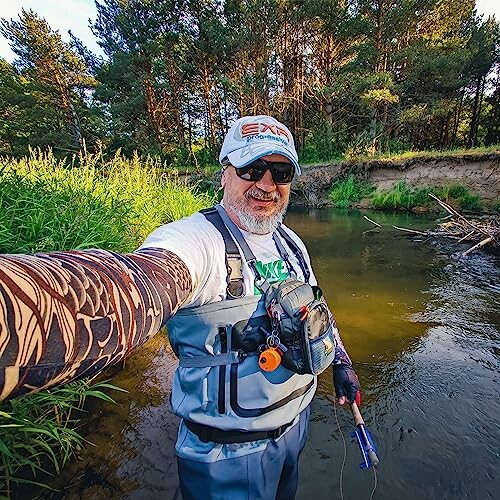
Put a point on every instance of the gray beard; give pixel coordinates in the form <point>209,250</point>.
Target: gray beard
<point>258,224</point>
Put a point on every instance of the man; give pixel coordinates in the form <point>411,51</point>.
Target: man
<point>69,314</point>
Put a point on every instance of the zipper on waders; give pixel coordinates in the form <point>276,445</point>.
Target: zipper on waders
<point>222,371</point>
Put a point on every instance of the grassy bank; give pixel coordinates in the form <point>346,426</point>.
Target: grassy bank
<point>50,205</point>
<point>398,156</point>
<point>349,191</point>
<point>410,155</point>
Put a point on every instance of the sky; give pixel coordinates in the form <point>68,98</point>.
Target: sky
<point>62,15</point>
<point>74,15</point>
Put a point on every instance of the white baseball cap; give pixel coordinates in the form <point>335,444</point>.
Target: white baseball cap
<point>253,137</point>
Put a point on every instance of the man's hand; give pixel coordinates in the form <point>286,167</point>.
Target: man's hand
<point>346,384</point>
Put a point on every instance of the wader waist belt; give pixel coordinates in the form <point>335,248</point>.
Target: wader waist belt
<point>214,435</point>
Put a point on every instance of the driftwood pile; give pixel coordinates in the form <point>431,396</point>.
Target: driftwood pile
<point>480,232</point>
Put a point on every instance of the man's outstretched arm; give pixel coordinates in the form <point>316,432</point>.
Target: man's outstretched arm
<point>68,315</point>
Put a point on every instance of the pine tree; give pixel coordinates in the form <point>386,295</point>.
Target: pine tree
<point>52,66</point>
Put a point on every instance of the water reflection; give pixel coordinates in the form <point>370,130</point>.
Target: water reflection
<point>133,454</point>
<point>426,330</point>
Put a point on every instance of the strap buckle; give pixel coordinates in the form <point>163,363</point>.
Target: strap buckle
<point>276,433</point>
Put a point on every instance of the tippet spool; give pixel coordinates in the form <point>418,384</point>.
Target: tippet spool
<point>269,360</point>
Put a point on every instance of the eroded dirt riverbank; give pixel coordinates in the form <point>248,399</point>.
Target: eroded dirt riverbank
<point>480,173</point>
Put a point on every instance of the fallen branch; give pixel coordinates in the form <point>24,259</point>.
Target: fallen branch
<point>411,231</point>
<point>452,211</point>
<point>459,228</point>
<point>372,221</point>
<point>466,237</point>
<point>479,245</point>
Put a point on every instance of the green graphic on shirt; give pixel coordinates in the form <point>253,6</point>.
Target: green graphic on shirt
<point>272,271</point>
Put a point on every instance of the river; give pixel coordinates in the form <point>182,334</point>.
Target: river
<point>423,329</point>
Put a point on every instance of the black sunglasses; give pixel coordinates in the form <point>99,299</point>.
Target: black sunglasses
<point>281,172</point>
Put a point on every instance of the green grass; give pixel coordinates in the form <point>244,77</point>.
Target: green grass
<point>402,197</point>
<point>307,161</point>
<point>407,155</point>
<point>348,191</point>
<point>459,195</point>
<point>470,203</point>
<point>47,205</point>
<point>37,433</point>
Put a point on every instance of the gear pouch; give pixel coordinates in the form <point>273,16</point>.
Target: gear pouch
<point>301,318</point>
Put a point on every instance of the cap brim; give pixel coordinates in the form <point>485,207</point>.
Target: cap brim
<point>246,155</point>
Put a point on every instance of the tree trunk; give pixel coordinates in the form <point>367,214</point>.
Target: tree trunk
<point>220,124</point>
<point>208,100</point>
<point>176,100</point>
<point>456,121</point>
<point>373,132</point>
<point>70,112</point>
<point>190,130</point>
<point>475,114</point>
<point>152,107</point>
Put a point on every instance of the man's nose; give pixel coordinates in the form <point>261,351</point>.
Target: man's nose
<point>267,182</point>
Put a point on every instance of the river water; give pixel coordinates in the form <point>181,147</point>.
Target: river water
<point>423,329</point>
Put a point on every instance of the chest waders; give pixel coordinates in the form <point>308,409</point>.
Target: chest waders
<point>218,388</point>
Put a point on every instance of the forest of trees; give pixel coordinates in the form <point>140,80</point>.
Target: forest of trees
<point>347,76</point>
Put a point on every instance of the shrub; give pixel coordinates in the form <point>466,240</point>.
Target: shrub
<point>453,191</point>
<point>324,142</point>
<point>470,202</point>
<point>464,199</point>
<point>402,197</point>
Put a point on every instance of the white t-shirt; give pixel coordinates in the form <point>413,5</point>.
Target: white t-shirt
<point>201,247</point>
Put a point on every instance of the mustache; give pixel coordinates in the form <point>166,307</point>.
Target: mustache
<point>257,193</point>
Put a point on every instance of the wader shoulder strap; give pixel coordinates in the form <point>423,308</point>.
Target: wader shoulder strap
<point>235,283</point>
<point>297,252</point>
<point>236,233</point>
<point>260,281</point>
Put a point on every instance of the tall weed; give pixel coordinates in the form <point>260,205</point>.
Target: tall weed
<point>403,197</point>
<point>37,433</point>
<point>47,205</point>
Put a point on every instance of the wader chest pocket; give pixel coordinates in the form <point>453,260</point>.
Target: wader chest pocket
<point>248,334</point>
<point>304,324</point>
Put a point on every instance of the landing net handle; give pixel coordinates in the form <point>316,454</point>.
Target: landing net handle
<point>365,441</point>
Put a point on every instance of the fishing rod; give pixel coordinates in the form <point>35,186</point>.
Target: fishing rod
<point>364,439</point>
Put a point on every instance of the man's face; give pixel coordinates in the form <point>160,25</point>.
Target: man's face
<point>255,206</point>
